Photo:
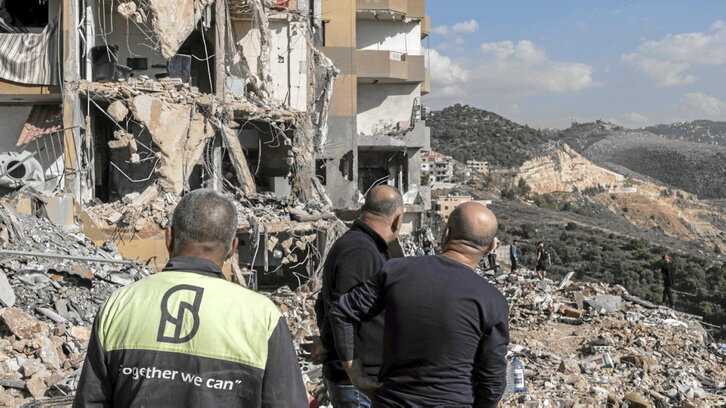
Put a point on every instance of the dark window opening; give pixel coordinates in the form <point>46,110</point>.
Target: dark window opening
<point>321,171</point>
<point>346,166</point>
<point>267,153</point>
<point>382,167</point>
<point>18,15</point>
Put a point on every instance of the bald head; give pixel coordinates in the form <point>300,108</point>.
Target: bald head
<point>383,201</point>
<point>472,225</point>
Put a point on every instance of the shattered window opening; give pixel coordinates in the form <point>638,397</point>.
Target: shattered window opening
<point>23,16</point>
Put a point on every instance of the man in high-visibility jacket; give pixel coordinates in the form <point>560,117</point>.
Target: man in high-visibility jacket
<point>186,336</point>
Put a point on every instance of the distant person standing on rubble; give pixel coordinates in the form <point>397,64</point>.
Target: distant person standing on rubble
<point>352,260</point>
<point>186,337</point>
<point>428,247</point>
<point>446,328</point>
<point>667,271</point>
<point>514,255</point>
<point>492,256</point>
<point>543,260</point>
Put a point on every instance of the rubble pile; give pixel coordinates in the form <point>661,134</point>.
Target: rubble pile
<point>152,207</point>
<point>173,90</point>
<point>298,307</point>
<point>588,344</point>
<point>50,297</point>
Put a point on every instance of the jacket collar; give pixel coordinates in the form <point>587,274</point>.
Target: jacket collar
<point>360,225</point>
<point>193,264</point>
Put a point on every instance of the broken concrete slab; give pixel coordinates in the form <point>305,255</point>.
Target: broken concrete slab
<point>174,20</point>
<point>82,334</point>
<point>48,354</point>
<point>637,400</point>
<point>7,293</point>
<point>117,110</point>
<point>239,161</point>
<point>605,303</point>
<point>51,315</point>
<point>18,384</point>
<point>36,385</point>
<point>569,366</point>
<point>22,324</point>
<point>180,132</point>
<point>121,139</point>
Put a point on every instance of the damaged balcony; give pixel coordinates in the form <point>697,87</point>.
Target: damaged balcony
<point>397,9</point>
<point>405,134</point>
<point>389,67</point>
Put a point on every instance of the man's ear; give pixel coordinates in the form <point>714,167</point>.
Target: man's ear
<point>445,237</point>
<point>169,239</point>
<point>233,249</point>
<point>397,222</point>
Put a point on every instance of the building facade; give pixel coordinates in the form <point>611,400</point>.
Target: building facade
<point>438,167</point>
<point>444,205</point>
<point>376,127</point>
<point>477,166</point>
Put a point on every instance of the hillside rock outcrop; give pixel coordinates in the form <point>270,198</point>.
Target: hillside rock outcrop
<point>564,170</point>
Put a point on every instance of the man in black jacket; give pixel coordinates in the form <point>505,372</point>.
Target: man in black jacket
<point>666,269</point>
<point>446,328</point>
<point>352,260</point>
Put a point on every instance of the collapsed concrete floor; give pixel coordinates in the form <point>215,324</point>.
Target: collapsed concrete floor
<point>583,344</point>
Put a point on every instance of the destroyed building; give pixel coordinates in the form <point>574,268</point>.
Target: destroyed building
<point>116,108</point>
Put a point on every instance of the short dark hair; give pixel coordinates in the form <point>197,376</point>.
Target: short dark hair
<point>384,205</point>
<point>204,216</point>
<point>460,229</point>
<point>515,240</point>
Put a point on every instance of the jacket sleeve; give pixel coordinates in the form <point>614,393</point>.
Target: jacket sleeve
<point>490,366</point>
<point>95,388</point>
<point>282,384</point>
<point>359,305</point>
<point>351,270</point>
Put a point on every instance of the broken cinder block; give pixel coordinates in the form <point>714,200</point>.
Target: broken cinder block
<point>117,111</point>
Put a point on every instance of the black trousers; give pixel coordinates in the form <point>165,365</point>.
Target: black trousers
<point>492,260</point>
<point>668,293</point>
<point>514,262</point>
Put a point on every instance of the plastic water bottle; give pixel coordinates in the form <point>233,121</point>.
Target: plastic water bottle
<point>515,376</point>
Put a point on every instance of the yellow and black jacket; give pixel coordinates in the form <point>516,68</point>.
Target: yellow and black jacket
<point>185,337</point>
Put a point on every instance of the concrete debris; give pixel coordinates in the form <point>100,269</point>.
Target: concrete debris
<point>605,303</point>
<point>617,353</point>
<point>180,133</point>
<point>172,20</point>
<point>46,328</point>
<point>298,307</point>
<point>117,110</point>
<point>7,294</point>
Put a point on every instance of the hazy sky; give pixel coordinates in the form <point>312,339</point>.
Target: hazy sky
<point>548,63</point>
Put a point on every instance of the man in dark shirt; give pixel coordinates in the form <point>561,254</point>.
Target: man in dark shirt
<point>428,247</point>
<point>353,258</point>
<point>514,255</point>
<point>446,329</point>
<point>543,260</point>
<point>666,269</point>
